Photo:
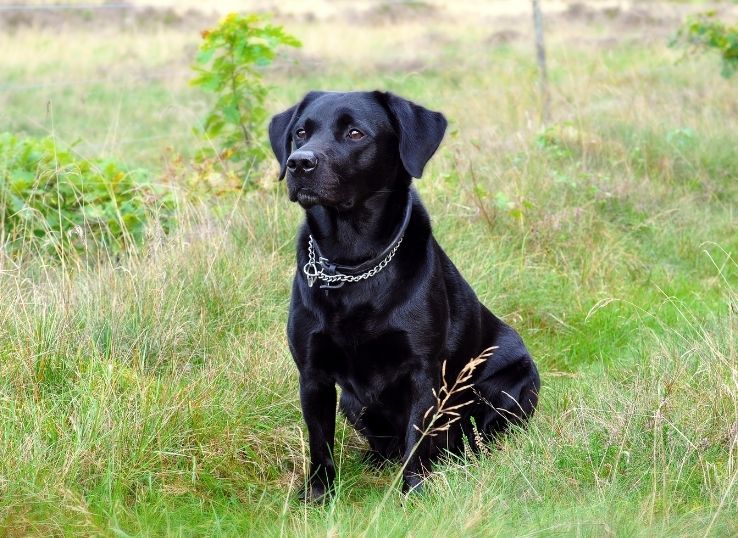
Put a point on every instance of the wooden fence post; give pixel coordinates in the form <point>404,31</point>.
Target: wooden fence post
<point>541,57</point>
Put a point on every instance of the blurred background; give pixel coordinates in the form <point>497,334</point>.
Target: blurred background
<point>112,77</point>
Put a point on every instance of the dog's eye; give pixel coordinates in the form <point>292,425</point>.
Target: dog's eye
<point>300,134</point>
<point>355,134</point>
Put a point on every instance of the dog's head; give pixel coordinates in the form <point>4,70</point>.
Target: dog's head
<point>337,149</point>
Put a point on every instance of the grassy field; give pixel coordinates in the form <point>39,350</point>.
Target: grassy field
<point>156,395</point>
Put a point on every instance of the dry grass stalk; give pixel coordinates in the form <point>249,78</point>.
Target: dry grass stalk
<point>444,396</point>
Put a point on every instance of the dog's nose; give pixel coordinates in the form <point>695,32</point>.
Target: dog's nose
<point>302,161</point>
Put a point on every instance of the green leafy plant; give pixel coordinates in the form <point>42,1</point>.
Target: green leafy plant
<point>227,64</point>
<point>58,202</point>
<point>704,32</point>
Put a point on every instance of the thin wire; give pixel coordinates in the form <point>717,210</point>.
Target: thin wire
<point>128,141</point>
<point>61,7</point>
<point>9,88</point>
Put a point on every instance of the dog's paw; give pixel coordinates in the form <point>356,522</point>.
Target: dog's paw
<point>375,460</point>
<point>412,484</point>
<point>314,492</point>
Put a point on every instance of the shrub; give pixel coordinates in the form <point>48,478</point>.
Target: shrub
<point>227,64</point>
<point>56,202</point>
<point>704,32</point>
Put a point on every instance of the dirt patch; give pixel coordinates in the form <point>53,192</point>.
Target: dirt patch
<point>409,65</point>
<point>389,13</point>
<point>502,37</point>
<point>117,15</point>
<point>634,16</point>
<point>297,63</point>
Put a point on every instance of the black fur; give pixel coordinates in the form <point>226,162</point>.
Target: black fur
<point>383,340</point>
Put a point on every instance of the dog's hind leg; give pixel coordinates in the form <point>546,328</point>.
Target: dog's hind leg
<point>507,397</point>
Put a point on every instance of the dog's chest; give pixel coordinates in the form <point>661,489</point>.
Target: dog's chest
<point>369,368</point>
<point>364,355</point>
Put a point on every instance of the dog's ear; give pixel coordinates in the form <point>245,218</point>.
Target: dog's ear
<point>280,129</point>
<point>419,130</point>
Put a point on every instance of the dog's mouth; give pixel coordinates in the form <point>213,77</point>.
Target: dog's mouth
<point>307,198</point>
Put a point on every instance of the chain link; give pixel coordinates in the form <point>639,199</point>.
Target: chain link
<point>312,272</point>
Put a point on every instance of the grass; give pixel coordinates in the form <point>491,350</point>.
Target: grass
<point>155,395</point>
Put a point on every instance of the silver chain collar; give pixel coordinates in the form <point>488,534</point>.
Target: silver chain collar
<point>312,272</point>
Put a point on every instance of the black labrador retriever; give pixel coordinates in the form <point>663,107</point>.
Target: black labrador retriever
<point>377,307</point>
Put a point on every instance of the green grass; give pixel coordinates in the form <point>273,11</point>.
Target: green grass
<point>155,395</point>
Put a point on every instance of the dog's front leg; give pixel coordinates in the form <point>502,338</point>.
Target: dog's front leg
<point>318,400</point>
<point>417,439</point>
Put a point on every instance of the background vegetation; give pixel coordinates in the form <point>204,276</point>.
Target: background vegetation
<point>150,390</point>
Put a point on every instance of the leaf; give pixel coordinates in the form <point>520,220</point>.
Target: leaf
<point>21,179</point>
<point>208,81</point>
<point>204,55</point>
<point>231,114</point>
